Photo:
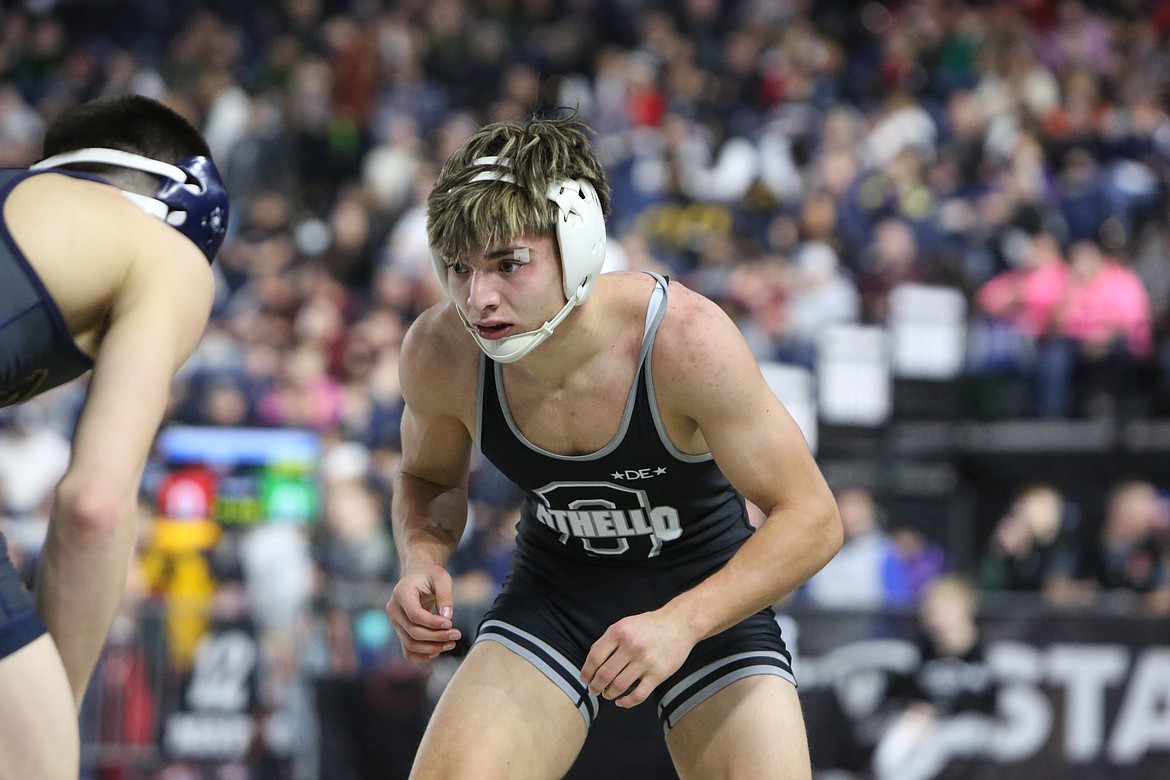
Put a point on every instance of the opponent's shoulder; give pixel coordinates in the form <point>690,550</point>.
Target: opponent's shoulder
<point>69,196</point>
<point>56,218</point>
<point>439,359</point>
<point>97,252</point>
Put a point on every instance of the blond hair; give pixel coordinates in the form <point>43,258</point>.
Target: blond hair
<point>466,209</point>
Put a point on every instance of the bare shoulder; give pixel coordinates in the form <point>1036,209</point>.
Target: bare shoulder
<point>696,338</point>
<point>56,219</point>
<point>440,363</point>
<point>96,252</point>
<point>625,294</point>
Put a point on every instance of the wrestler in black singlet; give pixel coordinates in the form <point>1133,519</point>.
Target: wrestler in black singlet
<point>614,533</point>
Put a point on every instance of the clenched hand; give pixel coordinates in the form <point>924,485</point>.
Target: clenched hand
<point>420,610</point>
<point>634,655</point>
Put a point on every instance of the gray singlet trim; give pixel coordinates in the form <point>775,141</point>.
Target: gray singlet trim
<point>698,674</point>
<point>541,664</point>
<point>481,377</point>
<point>660,427</point>
<point>719,684</point>
<point>655,311</point>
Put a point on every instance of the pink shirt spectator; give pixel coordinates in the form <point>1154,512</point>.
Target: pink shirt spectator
<point>1112,303</point>
<point>1026,297</point>
<point>306,394</point>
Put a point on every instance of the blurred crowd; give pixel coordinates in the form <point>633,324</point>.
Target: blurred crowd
<point>795,160</point>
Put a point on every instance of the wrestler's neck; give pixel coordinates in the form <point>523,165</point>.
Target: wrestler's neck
<point>577,342</point>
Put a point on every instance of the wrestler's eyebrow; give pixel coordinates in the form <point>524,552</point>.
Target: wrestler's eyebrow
<point>515,252</point>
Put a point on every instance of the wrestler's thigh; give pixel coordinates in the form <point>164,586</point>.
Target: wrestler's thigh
<point>38,724</point>
<point>500,717</point>
<point>751,730</point>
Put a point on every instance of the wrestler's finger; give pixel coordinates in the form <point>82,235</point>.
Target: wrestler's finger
<point>639,694</point>
<point>598,654</point>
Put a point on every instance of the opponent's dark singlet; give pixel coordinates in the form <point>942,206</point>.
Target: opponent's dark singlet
<point>37,351</point>
<point>638,500</point>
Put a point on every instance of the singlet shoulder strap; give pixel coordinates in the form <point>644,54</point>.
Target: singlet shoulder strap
<point>481,388</point>
<point>655,311</point>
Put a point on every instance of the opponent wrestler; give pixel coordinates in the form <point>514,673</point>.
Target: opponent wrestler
<point>634,415</point>
<point>103,266</point>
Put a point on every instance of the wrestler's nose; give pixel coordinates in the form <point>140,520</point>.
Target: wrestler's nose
<point>483,292</point>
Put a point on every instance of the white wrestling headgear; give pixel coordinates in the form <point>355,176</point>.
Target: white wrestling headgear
<point>580,238</point>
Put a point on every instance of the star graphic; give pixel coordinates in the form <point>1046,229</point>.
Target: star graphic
<point>616,475</point>
<point>660,470</point>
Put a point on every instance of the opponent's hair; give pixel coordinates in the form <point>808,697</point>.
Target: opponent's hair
<point>466,210</point>
<point>128,123</point>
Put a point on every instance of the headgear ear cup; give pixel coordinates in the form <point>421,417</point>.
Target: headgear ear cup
<point>580,236</point>
<point>203,198</point>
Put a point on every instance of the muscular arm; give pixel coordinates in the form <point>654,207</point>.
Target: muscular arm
<point>712,396</point>
<point>429,512</point>
<point>156,318</point>
<point>763,453</point>
<point>430,489</point>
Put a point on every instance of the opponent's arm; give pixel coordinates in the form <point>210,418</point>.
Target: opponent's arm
<point>158,314</point>
<point>429,507</point>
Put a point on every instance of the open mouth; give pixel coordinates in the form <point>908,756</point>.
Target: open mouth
<point>493,331</point>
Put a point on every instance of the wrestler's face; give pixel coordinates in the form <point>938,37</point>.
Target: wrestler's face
<point>508,289</point>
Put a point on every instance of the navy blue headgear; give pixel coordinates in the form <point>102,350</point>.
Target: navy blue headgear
<point>191,197</point>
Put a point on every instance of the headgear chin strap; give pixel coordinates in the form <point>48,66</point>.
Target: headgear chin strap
<point>580,232</point>
<point>191,197</point>
<point>511,348</point>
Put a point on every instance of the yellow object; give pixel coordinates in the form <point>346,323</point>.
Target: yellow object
<point>174,565</point>
<point>182,535</point>
<point>189,598</point>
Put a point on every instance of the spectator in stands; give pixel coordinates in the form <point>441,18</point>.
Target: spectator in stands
<point>225,404</point>
<point>33,458</point>
<point>354,544</point>
<point>943,708</point>
<point>1102,328</point>
<point>1084,203</point>
<point>1034,544</point>
<point>306,395</point>
<point>923,559</point>
<point>1126,557</point>
<point>867,572</point>
<point>891,258</point>
<point>819,295</point>
<point>1019,304</point>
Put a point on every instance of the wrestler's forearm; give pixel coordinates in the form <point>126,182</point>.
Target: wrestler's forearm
<point>787,549</point>
<point>428,520</point>
<point>81,577</point>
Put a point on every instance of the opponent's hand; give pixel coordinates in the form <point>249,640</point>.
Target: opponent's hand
<point>638,652</point>
<point>420,610</point>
